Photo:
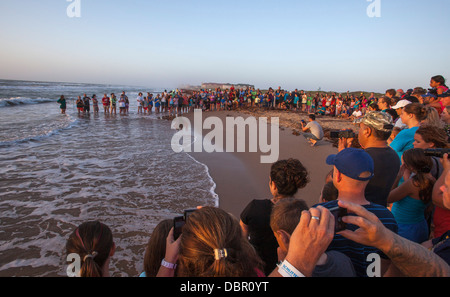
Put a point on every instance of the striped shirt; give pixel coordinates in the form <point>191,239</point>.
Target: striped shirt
<point>359,253</point>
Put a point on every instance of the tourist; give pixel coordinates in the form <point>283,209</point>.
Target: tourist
<point>286,178</point>
<point>122,104</point>
<point>145,104</point>
<point>374,131</point>
<point>284,219</point>
<point>86,102</point>
<point>438,82</point>
<point>127,103</point>
<point>80,105</point>
<point>411,116</point>
<point>411,198</point>
<point>62,104</point>
<point>329,192</point>
<point>93,243</point>
<point>106,103</point>
<point>315,130</point>
<point>113,103</point>
<point>140,102</point>
<point>212,245</point>
<point>409,258</point>
<point>150,102</point>
<point>353,169</point>
<point>95,103</point>
<point>158,103</point>
<point>384,104</point>
<point>399,109</point>
<point>156,248</point>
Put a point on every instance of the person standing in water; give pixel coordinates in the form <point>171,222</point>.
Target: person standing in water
<point>63,105</point>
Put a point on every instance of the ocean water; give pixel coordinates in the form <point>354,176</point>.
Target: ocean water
<point>58,171</point>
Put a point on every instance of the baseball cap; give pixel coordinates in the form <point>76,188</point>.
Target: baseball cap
<point>401,104</point>
<point>353,162</point>
<point>430,95</point>
<point>381,121</point>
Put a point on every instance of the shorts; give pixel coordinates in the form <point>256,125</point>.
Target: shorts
<point>311,136</point>
<point>80,109</point>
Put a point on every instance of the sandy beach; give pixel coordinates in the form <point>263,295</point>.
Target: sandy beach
<point>241,177</point>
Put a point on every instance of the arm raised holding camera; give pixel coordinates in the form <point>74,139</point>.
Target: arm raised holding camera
<point>168,265</point>
<point>412,259</point>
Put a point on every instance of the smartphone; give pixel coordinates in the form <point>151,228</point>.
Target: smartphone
<point>178,224</point>
<point>187,213</point>
<point>338,213</point>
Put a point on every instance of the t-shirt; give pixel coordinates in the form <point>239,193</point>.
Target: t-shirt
<point>441,247</point>
<point>62,103</point>
<point>257,217</point>
<point>404,141</point>
<point>386,167</point>
<point>337,265</point>
<point>315,129</point>
<point>359,253</point>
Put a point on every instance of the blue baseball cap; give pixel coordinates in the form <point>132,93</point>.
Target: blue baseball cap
<point>353,162</point>
<point>430,95</point>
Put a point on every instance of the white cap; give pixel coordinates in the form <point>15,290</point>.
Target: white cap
<point>401,104</point>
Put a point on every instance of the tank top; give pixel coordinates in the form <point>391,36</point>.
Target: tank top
<point>409,211</point>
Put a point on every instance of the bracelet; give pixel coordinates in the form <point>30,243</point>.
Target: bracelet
<point>286,269</point>
<point>166,264</point>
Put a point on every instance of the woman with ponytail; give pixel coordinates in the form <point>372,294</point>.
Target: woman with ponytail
<point>93,243</point>
<point>412,115</point>
<point>212,245</point>
<point>411,198</point>
<point>286,178</point>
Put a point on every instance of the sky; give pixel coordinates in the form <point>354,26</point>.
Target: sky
<point>304,44</point>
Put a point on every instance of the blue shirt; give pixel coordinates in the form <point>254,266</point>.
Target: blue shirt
<point>409,211</point>
<point>404,141</point>
<point>359,253</point>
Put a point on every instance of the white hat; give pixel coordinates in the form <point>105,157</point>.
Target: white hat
<point>401,104</point>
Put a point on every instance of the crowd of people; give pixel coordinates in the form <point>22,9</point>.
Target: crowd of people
<point>389,197</point>
<point>327,104</point>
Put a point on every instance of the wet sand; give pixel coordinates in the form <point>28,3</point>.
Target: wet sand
<point>241,177</point>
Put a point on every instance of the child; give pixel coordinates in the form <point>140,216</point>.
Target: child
<point>284,219</point>
<point>93,243</point>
